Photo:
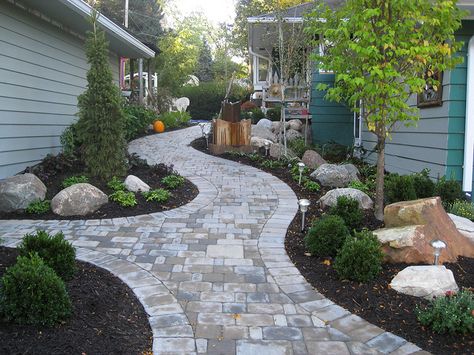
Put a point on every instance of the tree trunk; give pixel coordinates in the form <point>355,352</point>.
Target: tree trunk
<point>379,190</point>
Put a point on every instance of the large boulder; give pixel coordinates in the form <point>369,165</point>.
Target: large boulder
<point>410,226</point>
<point>262,132</point>
<point>426,281</point>
<point>265,123</point>
<point>333,175</point>
<point>18,191</point>
<point>312,159</point>
<point>134,183</point>
<point>78,200</point>
<point>277,150</point>
<point>330,198</point>
<point>277,126</point>
<point>295,124</point>
<point>463,225</point>
<point>259,142</point>
<point>292,134</point>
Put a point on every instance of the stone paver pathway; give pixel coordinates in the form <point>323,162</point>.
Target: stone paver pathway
<point>213,275</point>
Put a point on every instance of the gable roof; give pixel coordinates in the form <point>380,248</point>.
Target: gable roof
<point>75,14</point>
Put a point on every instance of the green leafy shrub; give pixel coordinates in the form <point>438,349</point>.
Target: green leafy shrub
<point>31,293</point>
<point>157,195</point>
<point>399,188</point>
<point>137,120</point>
<point>326,236</point>
<point>348,209</point>
<point>72,180</point>
<point>116,184</point>
<point>174,119</point>
<point>255,114</point>
<point>449,191</point>
<point>298,146</point>
<point>56,252</point>
<point>70,141</point>
<point>424,186</point>
<point>173,181</point>
<point>359,185</point>
<point>451,314</point>
<point>272,164</point>
<point>462,208</point>
<point>360,258</point>
<point>311,185</point>
<point>124,198</point>
<point>334,152</point>
<point>254,157</point>
<point>274,114</point>
<point>38,207</point>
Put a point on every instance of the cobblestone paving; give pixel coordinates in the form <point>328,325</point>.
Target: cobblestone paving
<point>213,275</point>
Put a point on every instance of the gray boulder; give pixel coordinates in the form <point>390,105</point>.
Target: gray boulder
<point>18,191</point>
<point>78,200</point>
<point>259,142</point>
<point>464,226</point>
<point>277,150</point>
<point>265,123</point>
<point>295,124</point>
<point>135,184</point>
<point>335,175</point>
<point>330,198</point>
<point>312,159</point>
<point>292,134</point>
<point>277,126</point>
<point>262,132</point>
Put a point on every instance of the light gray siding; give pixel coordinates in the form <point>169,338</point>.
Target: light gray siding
<point>42,71</point>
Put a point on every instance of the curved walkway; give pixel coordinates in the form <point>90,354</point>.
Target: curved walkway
<point>213,275</point>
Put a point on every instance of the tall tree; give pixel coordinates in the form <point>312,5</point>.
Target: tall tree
<point>101,120</point>
<point>204,63</point>
<point>382,52</point>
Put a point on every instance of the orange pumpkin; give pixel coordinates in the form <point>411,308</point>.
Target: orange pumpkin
<point>158,127</point>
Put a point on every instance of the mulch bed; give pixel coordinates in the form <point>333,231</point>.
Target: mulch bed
<point>107,319</point>
<point>52,171</point>
<point>373,301</point>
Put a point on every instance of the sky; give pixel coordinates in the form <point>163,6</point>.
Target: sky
<point>216,11</point>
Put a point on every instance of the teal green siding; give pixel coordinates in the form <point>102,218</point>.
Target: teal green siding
<point>330,121</point>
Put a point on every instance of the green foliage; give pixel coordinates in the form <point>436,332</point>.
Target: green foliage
<point>72,180</point>
<point>348,209</point>
<point>449,191</point>
<point>334,152</point>
<point>451,314</point>
<point>326,236</point>
<point>101,119</point>
<point>298,146</point>
<point>206,99</point>
<point>137,120</point>
<point>38,207</point>
<point>31,293</point>
<point>399,188</point>
<point>360,258</point>
<point>204,64</point>
<point>311,185</point>
<point>424,186</point>
<point>56,252</point>
<point>255,114</point>
<point>272,164</point>
<point>254,157</point>
<point>157,195</point>
<point>359,185</point>
<point>124,198</point>
<point>70,141</point>
<point>274,114</point>
<point>116,184</point>
<point>462,208</point>
<point>173,181</point>
<point>174,119</point>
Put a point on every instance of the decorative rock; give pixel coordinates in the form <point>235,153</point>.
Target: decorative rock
<point>312,159</point>
<point>292,134</point>
<point>463,225</point>
<point>259,142</point>
<point>277,125</point>
<point>18,191</point>
<point>295,124</point>
<point>78,200</point>
<point>277,150</point>
<point>412,225</point>
<point>263,132</point>
<point>135,184</point>
<point>265,123</point>
<point>426,281</point>
<point>335,175</point>
<point>330,198</point>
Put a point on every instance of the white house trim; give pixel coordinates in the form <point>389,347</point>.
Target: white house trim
<point>469,128</point>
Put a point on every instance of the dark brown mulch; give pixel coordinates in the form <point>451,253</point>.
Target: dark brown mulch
<point>374,301</point>
<point>107,319</point>
<point>54,170</point>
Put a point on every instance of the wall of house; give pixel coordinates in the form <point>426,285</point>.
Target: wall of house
<point>42,71</point>
<point>330,121</point>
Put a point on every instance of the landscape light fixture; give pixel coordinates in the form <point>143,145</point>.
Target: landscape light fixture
<point>301,167</point>
<point>202,125</point>
<point>267,147</point>
<point>206,134</point>
<point>304,204</point>
<point>438,245</point>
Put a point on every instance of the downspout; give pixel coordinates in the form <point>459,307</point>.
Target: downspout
<point>469,128</point>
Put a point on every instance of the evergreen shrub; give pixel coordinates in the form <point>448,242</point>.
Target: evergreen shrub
<point>326,236</point>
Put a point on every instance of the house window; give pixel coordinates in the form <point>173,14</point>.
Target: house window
<point>322,51</point>
<point>358,122</point>
<point>431,95</point>
<point>262,69</point>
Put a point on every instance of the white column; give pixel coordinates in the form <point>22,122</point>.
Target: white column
<point>469,124</point>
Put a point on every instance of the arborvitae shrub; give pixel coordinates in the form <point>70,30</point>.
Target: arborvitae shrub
<point>32,293</point>
<point>56,252</point>
<point>348,209</point>
<point>449,191</point>
<point>399,188</point>
<point>326,236</point>
<point>360,258</point>
<point>424,186</point>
